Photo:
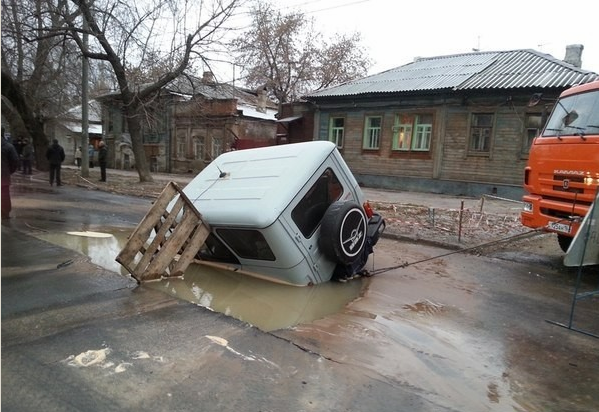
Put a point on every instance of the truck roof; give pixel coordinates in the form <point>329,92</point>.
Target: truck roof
<point>581,88</point>
<point>252,187</point>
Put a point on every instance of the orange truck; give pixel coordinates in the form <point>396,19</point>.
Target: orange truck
<point>562,174</point>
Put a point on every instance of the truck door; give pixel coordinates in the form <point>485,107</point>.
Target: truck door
<point>303,216</point>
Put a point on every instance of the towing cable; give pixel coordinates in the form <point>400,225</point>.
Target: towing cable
<point>530,233</point>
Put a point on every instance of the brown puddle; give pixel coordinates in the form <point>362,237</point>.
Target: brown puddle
<point>267,305</point>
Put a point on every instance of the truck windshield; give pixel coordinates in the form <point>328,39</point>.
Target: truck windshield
<point>574,115</point>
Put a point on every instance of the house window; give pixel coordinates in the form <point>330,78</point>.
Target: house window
<point>336,131</point>
<point>412,132</point>
<point>423,132</point>
<point>181,146</point>
<point>372,132</point>
<point>532,128</point>
<point>402,132</point>
<point>217,147</point>
<point>198,147</point>
<point>481,129</point>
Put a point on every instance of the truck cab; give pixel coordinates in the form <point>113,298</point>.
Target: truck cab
<point>562,174</point>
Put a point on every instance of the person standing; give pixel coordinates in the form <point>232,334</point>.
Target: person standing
<point>78,156</point>
<point>10,164</point>
<point>90,155</point>
<point>102,159</point>
<point>27,156</point>
<point>55,155</point>
<point>18,145</point>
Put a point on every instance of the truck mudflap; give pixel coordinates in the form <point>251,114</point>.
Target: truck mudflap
<point>165,242</point>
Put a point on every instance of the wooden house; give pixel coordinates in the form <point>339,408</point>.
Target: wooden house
<point>190,123</point>
<point>457,124</point>
<point>67,129</point>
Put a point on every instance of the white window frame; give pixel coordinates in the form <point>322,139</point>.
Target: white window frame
<point>336,133</point>
<point>413,135</point>
<point>423,132</point>
<point>372,133</point>
<point>402,134</point>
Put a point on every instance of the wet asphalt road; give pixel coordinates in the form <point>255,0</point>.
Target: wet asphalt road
<point>462,333</point>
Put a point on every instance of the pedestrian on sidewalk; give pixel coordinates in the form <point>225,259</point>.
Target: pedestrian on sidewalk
<point>55,155</point>
<point>18,145</point>
<point>102,159</point>
<point>78,156</point>
<point>10,164</point>
<point>27,156</point>
<point>90,155</point>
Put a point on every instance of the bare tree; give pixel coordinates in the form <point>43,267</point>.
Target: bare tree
<point>129,36</point>
<point>40,70</point>
<point>288,56</point>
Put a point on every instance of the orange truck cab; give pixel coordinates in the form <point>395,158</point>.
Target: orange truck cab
<point>562,174</point>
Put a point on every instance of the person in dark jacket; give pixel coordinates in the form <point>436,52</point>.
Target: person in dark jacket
<point>102,159</point>
<point>55,155</point>
<point>10,164</point>
<point>27,157</point>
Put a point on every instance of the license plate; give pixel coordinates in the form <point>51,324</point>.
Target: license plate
<point>560,227</point>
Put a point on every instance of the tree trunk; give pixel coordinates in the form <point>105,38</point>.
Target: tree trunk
<point>34,126</point>
<point>141,162</point>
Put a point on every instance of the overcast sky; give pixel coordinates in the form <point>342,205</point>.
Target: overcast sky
<point>394,32</point>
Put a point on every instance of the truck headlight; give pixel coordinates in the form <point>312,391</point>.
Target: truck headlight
<point>527,207</point>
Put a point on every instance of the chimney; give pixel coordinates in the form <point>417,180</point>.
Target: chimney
<point>261,100</point>
<point>208,78</point>
<point>574,55</point>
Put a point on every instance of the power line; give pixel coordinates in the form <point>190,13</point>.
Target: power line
<point>306,3</point>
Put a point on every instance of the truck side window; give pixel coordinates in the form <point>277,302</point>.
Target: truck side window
<point>214,249</point>
<point>247,243</point>
<point>309,211</point>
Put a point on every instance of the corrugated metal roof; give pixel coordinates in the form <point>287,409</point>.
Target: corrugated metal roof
<point>193,86</point>
<point>479,70</point>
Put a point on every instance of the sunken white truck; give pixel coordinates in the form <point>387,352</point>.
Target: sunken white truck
<point>292,214</point>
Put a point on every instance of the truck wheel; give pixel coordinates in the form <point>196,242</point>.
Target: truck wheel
<point>564,242</point>
<point>343,232</point>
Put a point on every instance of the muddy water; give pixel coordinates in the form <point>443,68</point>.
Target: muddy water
<point>264,304</point>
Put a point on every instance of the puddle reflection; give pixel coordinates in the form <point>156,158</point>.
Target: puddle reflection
<point>100,247</point>
<point>266,305</point>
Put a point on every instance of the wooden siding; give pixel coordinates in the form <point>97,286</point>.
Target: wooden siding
<point>449,158</point>
<point>503,165</point>
<point>384,160</point>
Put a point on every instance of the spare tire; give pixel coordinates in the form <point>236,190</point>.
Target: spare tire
<point>343,232</point>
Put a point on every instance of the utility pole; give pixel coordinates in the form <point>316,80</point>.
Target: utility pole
<point>85,106</point>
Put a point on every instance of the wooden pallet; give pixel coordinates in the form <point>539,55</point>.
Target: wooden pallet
<point>178,236</point>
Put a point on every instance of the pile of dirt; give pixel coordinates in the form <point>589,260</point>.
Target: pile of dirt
<point>461,228</point>
<point>116,183</point>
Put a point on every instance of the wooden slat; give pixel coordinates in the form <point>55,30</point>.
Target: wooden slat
<point>142,232</point>
<point>174,239</point>
<point>191,250</point>
<point>169,249</point>
<point>160,238</point>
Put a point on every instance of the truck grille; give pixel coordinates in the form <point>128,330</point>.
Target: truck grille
<point>573,185</point>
